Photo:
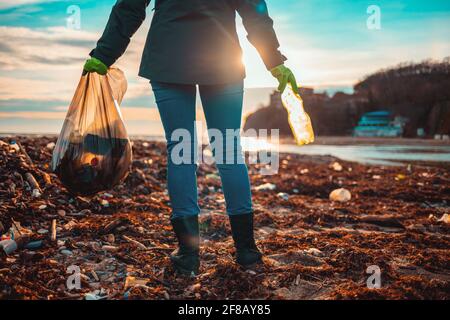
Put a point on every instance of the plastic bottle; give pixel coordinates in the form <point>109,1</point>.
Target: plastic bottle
<point>298,119</point>
<point>8,246</point>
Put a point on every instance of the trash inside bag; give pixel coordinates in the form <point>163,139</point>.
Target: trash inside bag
<point>299,120</point>
<point>93,152</point>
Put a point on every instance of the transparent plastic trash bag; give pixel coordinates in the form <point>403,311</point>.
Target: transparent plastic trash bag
<point>299,120</point>
<point>93,152</point>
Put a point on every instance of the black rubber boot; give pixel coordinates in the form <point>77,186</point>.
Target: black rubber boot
<point>247,254</point>
<point>185,259</point>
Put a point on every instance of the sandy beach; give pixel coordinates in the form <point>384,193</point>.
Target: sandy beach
<point>314,248</point>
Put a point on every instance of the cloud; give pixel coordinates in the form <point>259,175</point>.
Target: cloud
<point>61,86</point>
<point>6,4</point>
<point>48,62</point>
<point>38,49</point>
<point>36,90</point>
<point>129,114</point>
<point>6,48</point>
<point>33,115</point>
<point>43,64</point>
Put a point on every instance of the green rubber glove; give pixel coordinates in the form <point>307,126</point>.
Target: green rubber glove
<point>284,76</point>
<point>95,65</point>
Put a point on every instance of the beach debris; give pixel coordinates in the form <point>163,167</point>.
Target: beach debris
<point>46,177</point>
<point>53,231</point>
<point>42,231</point>
<point>66,252</point>
<point>340,195</point>
<point>283,293</point>
<point>445,218</point>
<point>92,296</point>
<point>13,145</point>
<point>36,193</point>
<point>33,245</point>
<point>133,282</point>
<point>135,242</point>
<point>69,225</point>
<point>304,171</point>
<point>166,295</point>
<point>29,257</point>
<point>315,252</point>
<point>107,195</point>
<point>300,257</point>
<point>382,221</point>
<point>104,203</point>
<point>36,189</point>
<point>114,224</point>
<point>81,213</point>
<point>400,176</point>
<point>96,295</point>
<point>307,241</point>
<point>283,195</point>
<point>32,181</point>
<point>25,153</point>
<point>336,166</point>
<point>12,189</point>
<point>110,238</point>
<point>18,231</point>
<point>50,145</point>
<point>212,176</point>
<point>94,275</point>
<point>110,248</point>
<point>266,187</point>
<point>8,246</point>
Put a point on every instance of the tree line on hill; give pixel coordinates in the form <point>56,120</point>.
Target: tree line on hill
<point>416,91</point>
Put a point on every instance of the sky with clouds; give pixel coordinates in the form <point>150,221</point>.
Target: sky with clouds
<point>327,42</point>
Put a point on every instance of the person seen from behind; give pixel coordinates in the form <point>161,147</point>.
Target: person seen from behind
<point>194,43</point>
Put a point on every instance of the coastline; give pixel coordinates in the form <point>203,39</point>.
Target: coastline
<point>348,140</point>
<point>320,140</point>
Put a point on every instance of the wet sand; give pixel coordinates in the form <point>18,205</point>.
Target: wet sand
<point>347,140</point>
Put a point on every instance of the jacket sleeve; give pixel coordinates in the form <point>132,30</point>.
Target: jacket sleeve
<point>125,19</point>
<point>259,27</point>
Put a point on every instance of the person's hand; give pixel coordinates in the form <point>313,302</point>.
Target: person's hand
<point>95,65</point>
<point>284,76</point>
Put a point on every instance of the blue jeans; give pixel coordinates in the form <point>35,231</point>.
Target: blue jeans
<point>222,105</point>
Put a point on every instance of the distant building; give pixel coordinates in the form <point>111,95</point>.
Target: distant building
<point>379,124</point>
<point>420,132</point>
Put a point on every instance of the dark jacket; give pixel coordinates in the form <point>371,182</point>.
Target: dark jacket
<point>191,41</point>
